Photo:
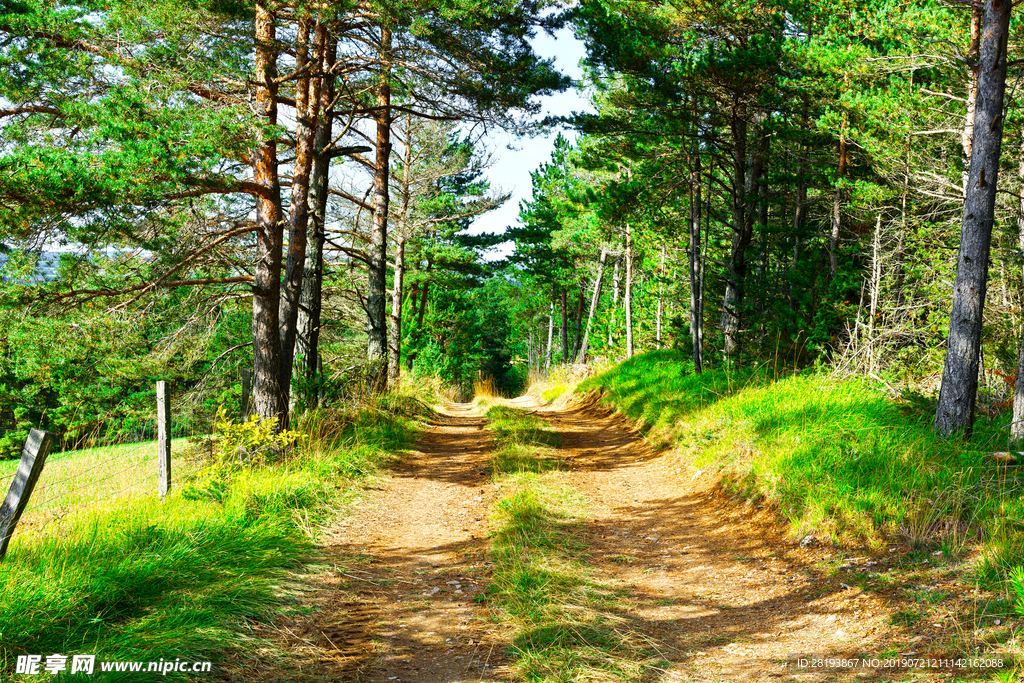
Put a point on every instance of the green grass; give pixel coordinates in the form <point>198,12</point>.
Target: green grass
<point>524,442</point>
<point>84,457</point>
<point>836,457</point>
<point>94,478</point>
<point>568,626</point>
<point>147,579</point>
<point>552,393</point>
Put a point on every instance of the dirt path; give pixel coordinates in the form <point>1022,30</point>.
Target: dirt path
<point>399,607</point>
<point>716,588</point>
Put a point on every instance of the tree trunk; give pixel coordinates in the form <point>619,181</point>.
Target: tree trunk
<point>973,50</point>
<point>629,291</point>
<point>696,272</point>
<point>876,285</point>
<point>661,287</point>
<point>837,204</point>
<point>577,337</point>
<point>565,327</point>
<point>955,413</point>
<point>423,302</point>
<point>376,324</point>
<point>268,399</point>
<point>762,252</point>
<point>800,209</point>
<point>747,171</point>
<point>581,357</point>
<point>395,342</point>
<point>395,363</point>
<point>531,355</point>
<point>309,309</point>
<point>1017,426</point>
<point>551,336</point>
<point>307,106</point>
<point>615,302</point>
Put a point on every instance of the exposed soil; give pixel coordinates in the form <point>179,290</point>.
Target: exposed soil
<point>398,605</point>
<point>715,586</point>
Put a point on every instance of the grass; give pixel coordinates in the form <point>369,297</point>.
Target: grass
<point>93,478</point>
<point>567,624</point>
<point>554,392</point>
<point>184,578</point>
<point>837,458</point>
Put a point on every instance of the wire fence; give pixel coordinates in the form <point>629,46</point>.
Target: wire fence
<point>76,484</point>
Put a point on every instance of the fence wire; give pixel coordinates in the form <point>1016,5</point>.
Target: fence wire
<point>77,484</point>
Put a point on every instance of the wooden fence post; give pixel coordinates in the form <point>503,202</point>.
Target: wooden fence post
<point>163,437</point>
<point>33,455</point>
<point>246,392</point>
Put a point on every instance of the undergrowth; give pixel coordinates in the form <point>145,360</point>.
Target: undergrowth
<point>567,625</point>
<point>837,457</point>
<point>184,577</point>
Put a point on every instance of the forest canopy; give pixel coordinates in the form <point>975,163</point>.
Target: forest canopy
<point>290,188</point>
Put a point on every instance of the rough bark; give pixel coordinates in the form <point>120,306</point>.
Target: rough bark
<point>269,401</point>
<point>423,302</point>
<point>967,135</point>
<point>577,337</point>
<point>800,208</point>
<point>310,301</point>
<point>696,272</point>
<point>763,251</point>
<point>628,295</point>
<point>657,322</point>
<point>565,327</point>
<point>615,302</point>
<point>395,344</point>
<point>955,413</point>
<point>837,202</point>
<point>376,294</point>
<point>876,286</point>
<point>551,336</point>
<point>581,357</point>
<point>307,107</point>
<point>747,170</point>
<point>1017,426</point>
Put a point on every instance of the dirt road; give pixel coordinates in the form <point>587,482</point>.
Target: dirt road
<point>714,586</point>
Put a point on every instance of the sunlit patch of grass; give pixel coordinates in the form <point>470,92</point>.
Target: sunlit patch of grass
<point>512,425</point>
<point>523,442</point>
<point>552,393</point>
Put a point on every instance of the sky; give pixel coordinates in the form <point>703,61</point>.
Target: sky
<point>511,170</point>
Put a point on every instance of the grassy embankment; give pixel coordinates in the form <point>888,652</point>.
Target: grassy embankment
<point>845,462</point>
<point>565,622</point>
<point>838,458</point>
<point>183,578</point>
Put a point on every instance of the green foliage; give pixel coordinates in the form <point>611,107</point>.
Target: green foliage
<point>256,440</point>
<point>468,334</point>
<point>89,375</point>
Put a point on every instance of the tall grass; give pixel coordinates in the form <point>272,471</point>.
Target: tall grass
<point>184,577</point>
<point>837,457</point>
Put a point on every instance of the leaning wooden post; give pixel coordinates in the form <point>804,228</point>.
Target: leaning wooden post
<point>246,392</point>
<point>33,455</point>
<point>163,437</point>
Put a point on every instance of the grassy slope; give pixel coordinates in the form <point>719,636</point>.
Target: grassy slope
<point>150,580</point>
<point>836,457</point>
